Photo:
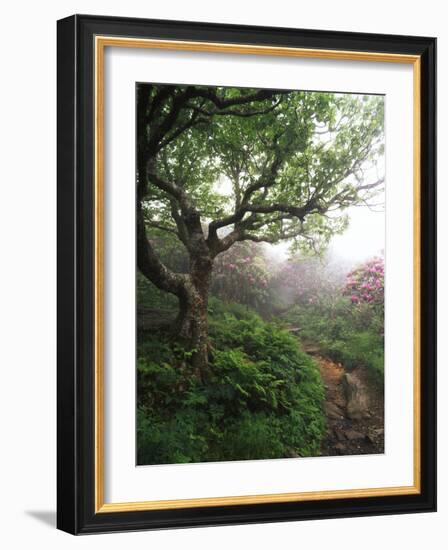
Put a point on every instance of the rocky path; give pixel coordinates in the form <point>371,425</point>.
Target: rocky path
<point>354,408</point>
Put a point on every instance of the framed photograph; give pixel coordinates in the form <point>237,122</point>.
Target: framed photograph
<point>246,274</point>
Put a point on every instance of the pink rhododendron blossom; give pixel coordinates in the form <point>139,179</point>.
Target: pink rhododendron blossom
<point>365,284</point>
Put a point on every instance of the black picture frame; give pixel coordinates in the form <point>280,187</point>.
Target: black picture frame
<point>76,272</point>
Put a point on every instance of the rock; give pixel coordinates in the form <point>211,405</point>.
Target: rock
<point>333,411</point>
<point>356,395</point>
<point>340,403</point>
<point>339,434</point>
<point>353,434</point>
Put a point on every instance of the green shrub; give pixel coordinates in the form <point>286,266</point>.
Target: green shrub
<point>262,397</point>
<point>343,336</point>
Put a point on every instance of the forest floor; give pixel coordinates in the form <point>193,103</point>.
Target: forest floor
<point>347,435</point>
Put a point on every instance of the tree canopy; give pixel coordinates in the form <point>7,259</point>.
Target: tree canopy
<point>220,165</point>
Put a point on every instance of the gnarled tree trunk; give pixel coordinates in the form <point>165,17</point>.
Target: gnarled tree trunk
<point>192,322</point>
<point>191,326</point>
<point>191,289</point>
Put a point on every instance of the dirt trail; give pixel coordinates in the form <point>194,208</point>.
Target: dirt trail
<point>348,435</point>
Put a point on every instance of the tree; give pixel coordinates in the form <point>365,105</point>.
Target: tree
<point>216,166</point>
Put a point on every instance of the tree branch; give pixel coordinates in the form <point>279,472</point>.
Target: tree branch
<point>221,103</point>
<point>235,112</point>
<point>151,266</point>
<point>169,187</point>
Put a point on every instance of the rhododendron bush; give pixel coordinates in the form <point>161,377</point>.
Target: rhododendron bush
<point>241,275</point>
<point>366,283</point>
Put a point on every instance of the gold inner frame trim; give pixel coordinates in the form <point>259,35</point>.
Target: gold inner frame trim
<point>101,42</point>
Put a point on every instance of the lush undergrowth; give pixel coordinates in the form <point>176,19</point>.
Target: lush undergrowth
<point>261,397</point>
<point>344,335</point>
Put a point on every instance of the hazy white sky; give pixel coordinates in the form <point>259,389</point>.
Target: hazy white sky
<point>364,237</point>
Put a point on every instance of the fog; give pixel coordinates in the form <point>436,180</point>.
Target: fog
<point>363,238</point>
